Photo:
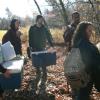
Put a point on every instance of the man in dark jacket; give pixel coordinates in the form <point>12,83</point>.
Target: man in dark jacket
<point>38,35</point>
<point>13,35</point>
<point>68,34</point>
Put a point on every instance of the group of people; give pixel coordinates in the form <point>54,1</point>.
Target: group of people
<point>77,34</point>
<point>12,35</point>
<point>38,37</point>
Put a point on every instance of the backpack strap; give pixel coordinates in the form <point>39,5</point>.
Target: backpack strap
<point>68,34</point>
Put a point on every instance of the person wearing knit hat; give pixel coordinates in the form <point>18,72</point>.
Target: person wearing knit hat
<point>38,37</point>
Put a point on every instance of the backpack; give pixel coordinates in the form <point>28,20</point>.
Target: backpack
<point>74,69</point>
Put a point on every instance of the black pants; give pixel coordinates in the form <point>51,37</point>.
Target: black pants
<point>41,74</point>
<point>1,91</point>
<point>83,93</point>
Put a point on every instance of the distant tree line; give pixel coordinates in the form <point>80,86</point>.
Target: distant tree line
<point>60,15</point>
<point>88,9</point>
<point>5,22</point>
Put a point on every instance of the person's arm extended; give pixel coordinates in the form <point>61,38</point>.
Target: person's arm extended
<point>49,37</point>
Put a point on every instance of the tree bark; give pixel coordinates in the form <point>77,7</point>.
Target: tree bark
<point>38,7</point>
<point>96,15</point>
<point>64,14</point>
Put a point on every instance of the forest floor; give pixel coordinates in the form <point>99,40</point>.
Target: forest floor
<point>56,86</point>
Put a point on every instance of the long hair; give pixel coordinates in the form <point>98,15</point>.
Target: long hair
<point>80,32</point>
<point>12,24</point>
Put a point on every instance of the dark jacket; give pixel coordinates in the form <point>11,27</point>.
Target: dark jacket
<point>68,34</point>
<point>14,39</point>
<point>90,54</point>
<point>91,58</point>
<point>38,37</point>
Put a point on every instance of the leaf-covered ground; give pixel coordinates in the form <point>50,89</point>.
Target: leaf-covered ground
<point>56,86</point>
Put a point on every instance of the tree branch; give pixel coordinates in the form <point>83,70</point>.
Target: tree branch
<point>38,7</point>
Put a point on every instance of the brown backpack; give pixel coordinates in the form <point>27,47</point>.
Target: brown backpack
<point>74,69</point>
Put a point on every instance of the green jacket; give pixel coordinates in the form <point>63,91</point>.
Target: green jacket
<point>38,37</point>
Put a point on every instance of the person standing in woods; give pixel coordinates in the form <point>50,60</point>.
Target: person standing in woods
<point>13,35</point>
<point>91,58</point>
<point>68,34</point>
<point>38,35</point>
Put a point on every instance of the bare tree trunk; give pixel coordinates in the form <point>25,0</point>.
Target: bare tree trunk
<point>60,8</point>
<point>96,15</point>
<point>38,7</point>
<point>40,11</point>
<point>64,14</point>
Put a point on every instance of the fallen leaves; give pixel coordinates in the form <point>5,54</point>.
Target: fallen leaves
<point>56,87</point>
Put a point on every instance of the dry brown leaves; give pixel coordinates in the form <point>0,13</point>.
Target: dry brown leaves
<point>56,83</point>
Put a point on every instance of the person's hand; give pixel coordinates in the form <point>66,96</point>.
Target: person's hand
<point>51,49</point>
<point>7,74</point>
